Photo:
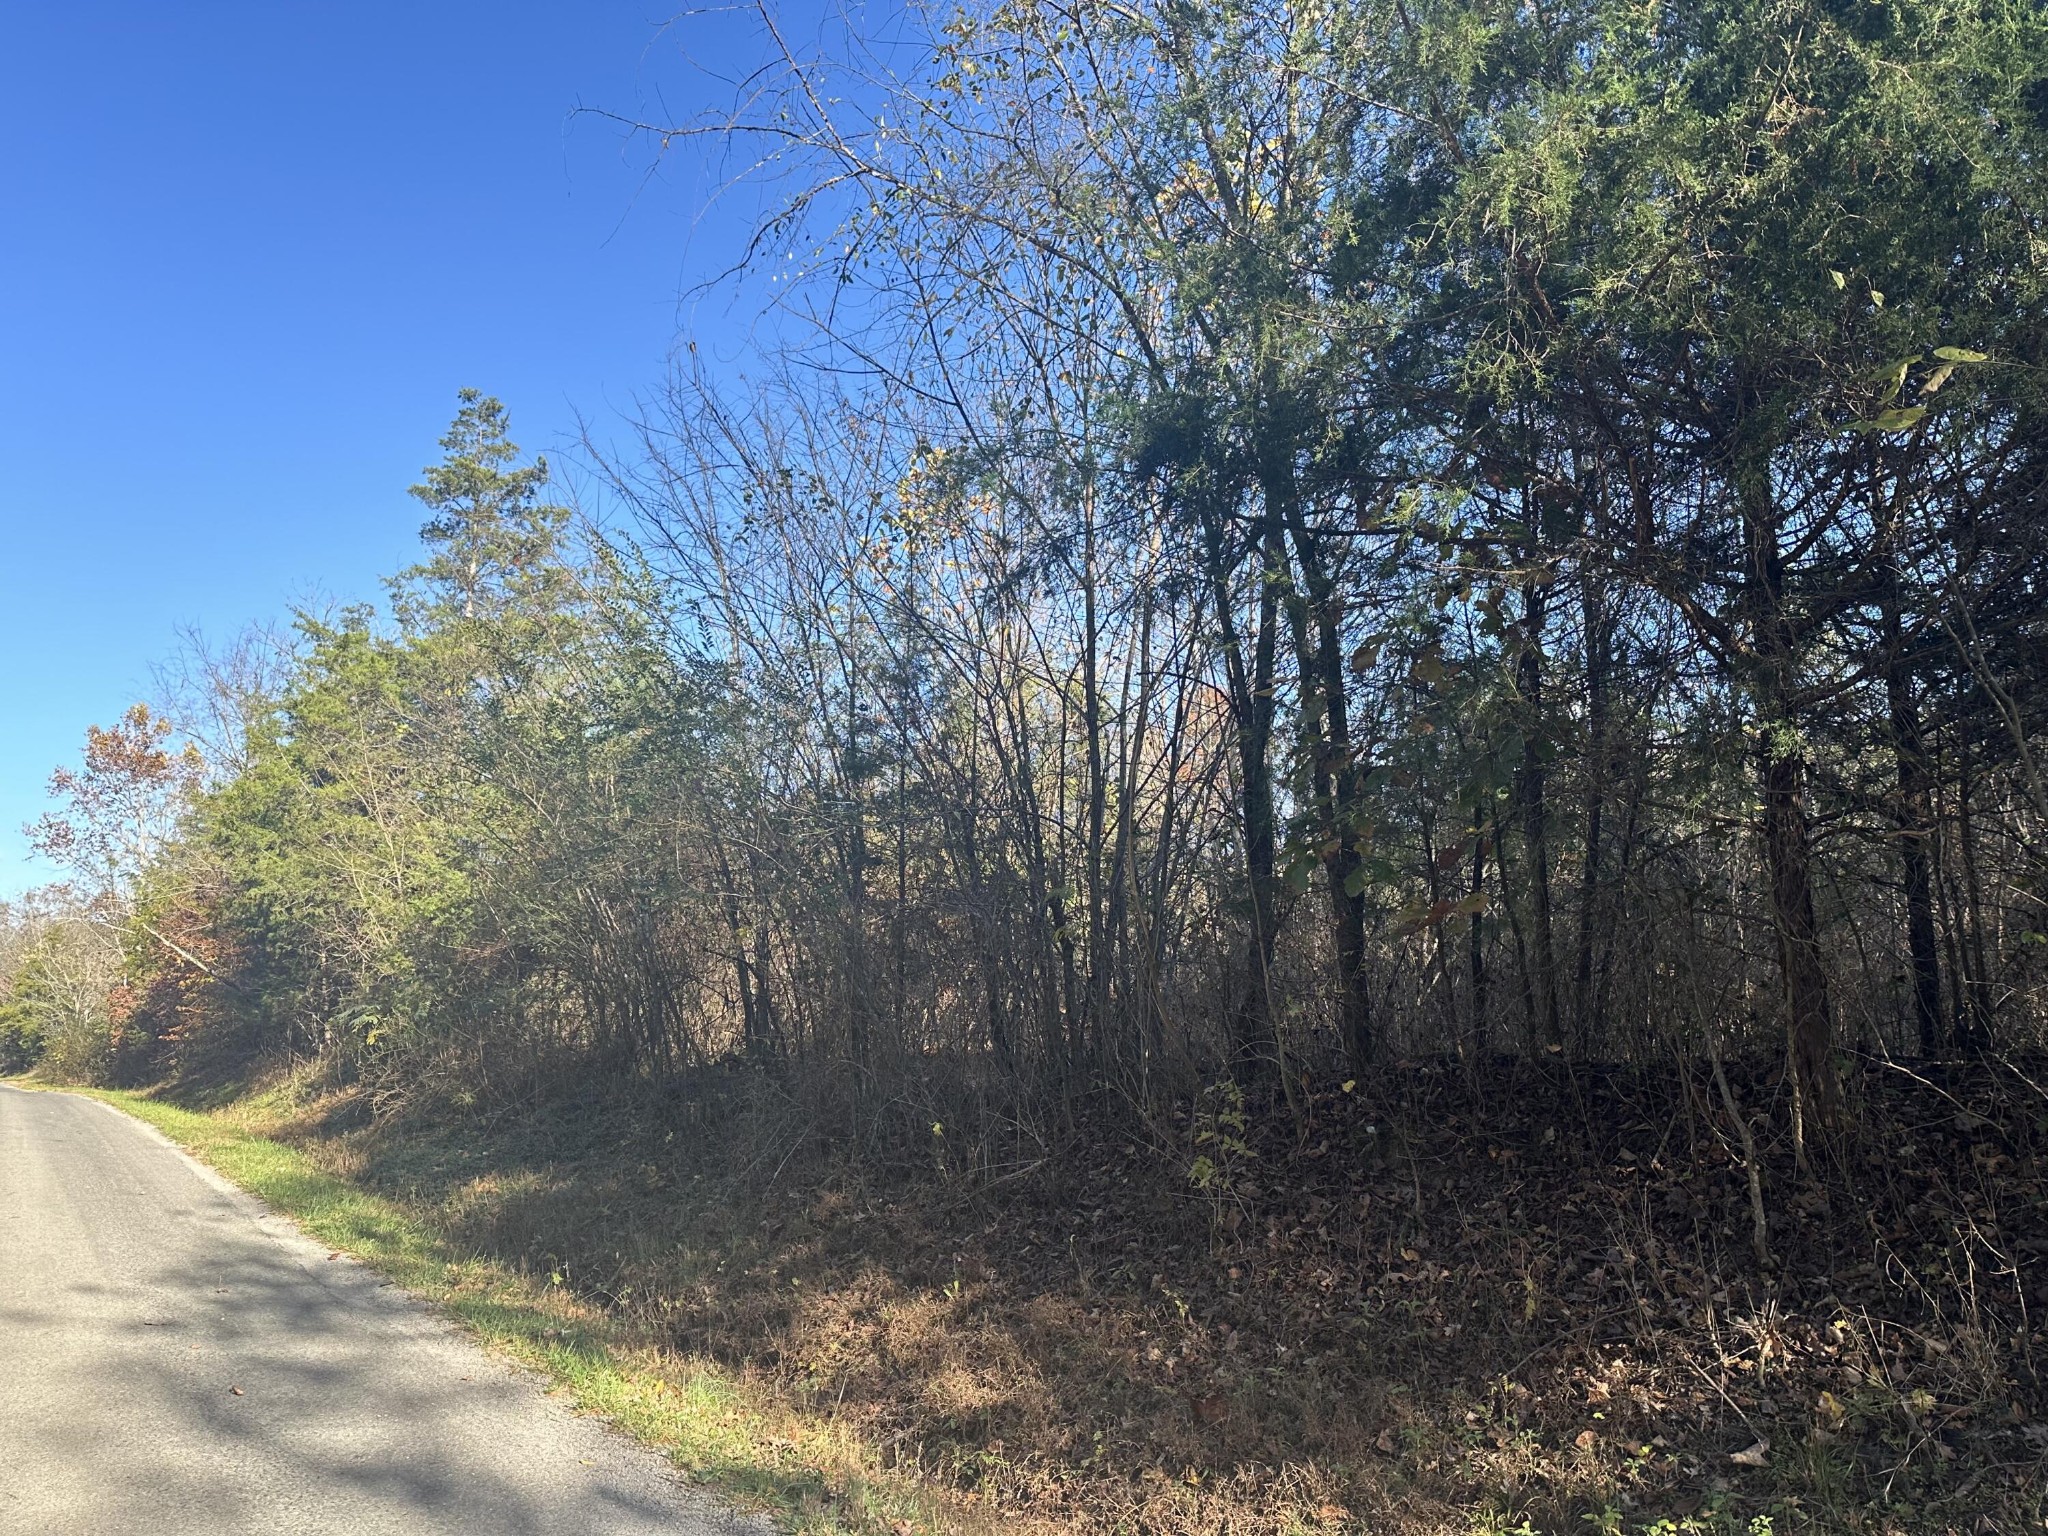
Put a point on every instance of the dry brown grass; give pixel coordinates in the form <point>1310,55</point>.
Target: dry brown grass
<point>1455,1318</point>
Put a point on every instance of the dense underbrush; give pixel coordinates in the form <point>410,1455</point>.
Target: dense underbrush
<point>1524,1302</point>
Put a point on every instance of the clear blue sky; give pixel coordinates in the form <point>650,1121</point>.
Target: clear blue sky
<point>248,253</point>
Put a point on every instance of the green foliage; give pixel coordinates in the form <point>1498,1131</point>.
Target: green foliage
<point>492,541</point>
<point>21,1035</point>
<point>448,838</point>
<point>339,841</point>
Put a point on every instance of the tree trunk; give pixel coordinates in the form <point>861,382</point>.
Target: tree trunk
<point>1337,783</point>
<point>1588,1022</point>
<point>1090,1027</point>
<point>860,1003</point>
<point>1787,839</point>
<point>752,1030</point>
<point>1973,1027</point>
<point>1253,1047</point>
<point>1787,835</point>
<point>1532,791</point>
<point>1913,819</point>
<point>1476,939</point>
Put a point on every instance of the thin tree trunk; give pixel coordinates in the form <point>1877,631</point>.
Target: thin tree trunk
<point>1787,834</point>
<point>1788,841</point>
<point>1589,1024</point>
<point>1476,940</point>
<point>1913,819</point>
<point>1336,783</point>
<point>1253,1047</point>
<point>1090,1028</point>
<point>1974,1029</point>
<point>1532,782</point>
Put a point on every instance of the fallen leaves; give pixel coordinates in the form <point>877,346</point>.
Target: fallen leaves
<point>1832,1413</point>
<point>1757,1455</point>
<point>1348,1301</point>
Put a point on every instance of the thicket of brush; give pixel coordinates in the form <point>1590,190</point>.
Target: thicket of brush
<point>1360,536</point>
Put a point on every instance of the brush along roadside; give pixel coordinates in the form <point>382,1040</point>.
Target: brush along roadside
<point>1476,1323</point>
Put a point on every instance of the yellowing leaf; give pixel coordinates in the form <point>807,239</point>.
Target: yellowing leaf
<point>1894,373</point>
<point>1898,419</point>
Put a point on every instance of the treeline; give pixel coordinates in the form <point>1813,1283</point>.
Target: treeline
<point>1302,538</point>
<point>60,973</point>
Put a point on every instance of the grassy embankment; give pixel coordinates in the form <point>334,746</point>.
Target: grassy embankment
<point>1489,1318</point>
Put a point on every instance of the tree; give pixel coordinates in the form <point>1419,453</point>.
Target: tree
<point>1698,260</point>
<point>122,807</point>
<point>492,539</point>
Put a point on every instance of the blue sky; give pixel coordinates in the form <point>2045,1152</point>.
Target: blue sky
<point>249,252</point>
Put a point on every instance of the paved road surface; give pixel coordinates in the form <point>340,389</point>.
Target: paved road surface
<point>137,1289</point>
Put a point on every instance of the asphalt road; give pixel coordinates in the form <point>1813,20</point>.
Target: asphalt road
<point>174,1359</point>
